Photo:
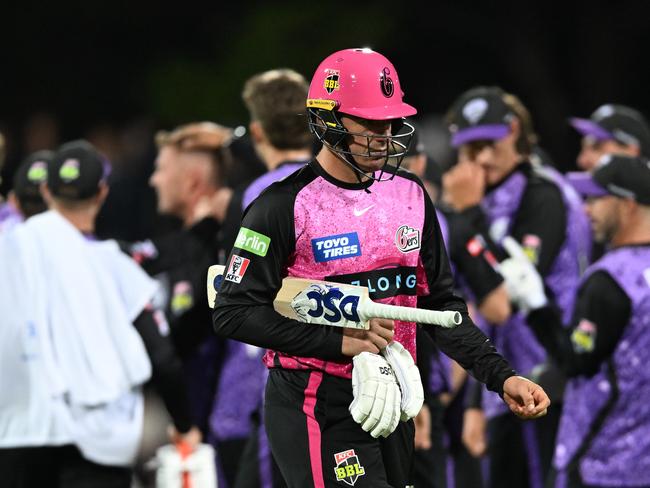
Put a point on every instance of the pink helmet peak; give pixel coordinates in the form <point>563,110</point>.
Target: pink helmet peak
<point>359,82</point>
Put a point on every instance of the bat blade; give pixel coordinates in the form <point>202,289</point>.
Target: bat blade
<point>215,278</point>
<point>322,302</point>
<point>335,304</point>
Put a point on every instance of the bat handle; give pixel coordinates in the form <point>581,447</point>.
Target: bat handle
<point>446,318</point>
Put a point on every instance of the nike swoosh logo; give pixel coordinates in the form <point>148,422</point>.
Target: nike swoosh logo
<point>359,213</point>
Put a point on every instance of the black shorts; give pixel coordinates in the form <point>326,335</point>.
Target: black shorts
<point>316,443</point>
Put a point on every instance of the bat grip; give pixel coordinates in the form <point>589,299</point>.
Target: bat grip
<point>446,318</point>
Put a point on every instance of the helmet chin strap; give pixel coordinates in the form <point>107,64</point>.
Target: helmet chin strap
<point>358,172</point>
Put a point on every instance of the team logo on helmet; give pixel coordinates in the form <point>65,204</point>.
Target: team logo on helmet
<point>386,83</point>
<point>332,80</point>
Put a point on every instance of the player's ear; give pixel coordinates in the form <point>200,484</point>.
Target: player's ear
<point>257,132</point>
<point>103,192</point>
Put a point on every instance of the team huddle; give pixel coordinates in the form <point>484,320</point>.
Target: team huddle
<point>375,322</point>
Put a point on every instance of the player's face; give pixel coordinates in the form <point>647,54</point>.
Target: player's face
<point>592,150</point>
<point>604,215</point>
<point>368,137</point>
<point>497,158</point>
<point>167,179</point>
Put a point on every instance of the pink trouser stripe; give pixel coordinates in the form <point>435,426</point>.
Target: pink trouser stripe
<point>313,429</point>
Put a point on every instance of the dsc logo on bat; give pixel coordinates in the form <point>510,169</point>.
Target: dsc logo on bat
<point>318,302</point>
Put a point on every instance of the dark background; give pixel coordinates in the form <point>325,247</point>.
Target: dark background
<point>116,71</point>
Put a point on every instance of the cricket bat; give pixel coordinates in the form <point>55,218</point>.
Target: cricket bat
<point>337,304</point>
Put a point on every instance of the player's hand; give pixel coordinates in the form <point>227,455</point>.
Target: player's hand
<point>527,400</point>
<point>423,429</point>
<point>376,395</point>
<point>463,186</point>
<point>523,283</point>
<point>408,377</point>
<point>474,425</point>
<point>192,437</point>
<point>377,337</point>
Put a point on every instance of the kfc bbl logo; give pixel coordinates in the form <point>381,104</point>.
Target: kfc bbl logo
<point>348,469</point>
<point>386,83</point>
<point>332,81</point>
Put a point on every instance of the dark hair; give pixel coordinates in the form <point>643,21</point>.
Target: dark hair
<point>528,138</point>
<point>277,100</point>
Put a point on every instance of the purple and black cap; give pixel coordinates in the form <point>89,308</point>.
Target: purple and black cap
<point>618,175</point>
<point>77,171</point>
<point>623,124</point>
<point>480,114</point>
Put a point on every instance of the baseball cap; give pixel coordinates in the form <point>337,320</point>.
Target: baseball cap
<point>28,178</point>
<point>618,122</point>
<point>480,114</point>
<point>77,170</point>
<point>618,175</point>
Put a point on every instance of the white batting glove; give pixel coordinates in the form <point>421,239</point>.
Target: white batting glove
<point>377,397</point>
<point>523,283</point>
<point>408,377</point>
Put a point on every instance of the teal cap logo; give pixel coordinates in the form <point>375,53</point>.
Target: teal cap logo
<point>252,241</point>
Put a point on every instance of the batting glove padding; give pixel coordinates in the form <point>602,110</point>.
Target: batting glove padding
<point>523,283</point>
<point>408,377</point>
<point>377,397</point>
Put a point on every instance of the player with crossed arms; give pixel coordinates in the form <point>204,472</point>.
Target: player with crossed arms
<point>335,395</point>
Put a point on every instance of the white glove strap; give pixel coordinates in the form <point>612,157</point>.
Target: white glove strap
<point>408,377</point>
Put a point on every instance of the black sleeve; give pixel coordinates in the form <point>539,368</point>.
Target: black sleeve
<point>464,343</point>
<point>425,353</point>
<point>540,223</point>
<point>244,306</point>
<point>601,312</point>
<point>167,373</point>
<point>473,252</point>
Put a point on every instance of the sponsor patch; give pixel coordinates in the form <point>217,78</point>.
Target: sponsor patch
<point>237,268</point>
<point>475,245</point>
<point>532,246</point>
<point>340,246</point>
<point>143,251</point>
<point>383,283</point>
<point>252,241</point>
<point>583,336</point>
<point>182,297</point>
<point>348,468</point>
<point>407,238</point>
